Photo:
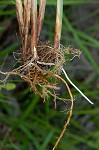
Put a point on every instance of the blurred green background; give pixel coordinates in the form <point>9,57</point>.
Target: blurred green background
<point>26,123</point>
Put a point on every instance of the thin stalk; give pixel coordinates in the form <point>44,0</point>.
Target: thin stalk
<point>19,11</point>
<point>41,16</point>
<point>33,28</point>
<point>58,27</point>
<point>27,6</point>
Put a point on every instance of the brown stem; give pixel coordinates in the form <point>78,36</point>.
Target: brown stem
<point>33,28</point>
<point>58,26</point>
<point>41,16</point>
<point>27,5</point>
<point>19,11</point>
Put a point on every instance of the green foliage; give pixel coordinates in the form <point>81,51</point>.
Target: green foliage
<point>8,86</point>
<point>28,123</point>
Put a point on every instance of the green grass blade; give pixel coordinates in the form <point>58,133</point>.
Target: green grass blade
<point>46,141</point>
<point>81,45</point>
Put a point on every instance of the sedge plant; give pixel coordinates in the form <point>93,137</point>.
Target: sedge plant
<point>42,62</point>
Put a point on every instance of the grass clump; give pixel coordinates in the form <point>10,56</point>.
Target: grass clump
<point>41,62</point>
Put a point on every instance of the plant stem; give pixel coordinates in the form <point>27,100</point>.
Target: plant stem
<point>33,28</point>
<point>19,12</point>
<point>27,5</point>
<point>41,16</point>
<point>58,27</point>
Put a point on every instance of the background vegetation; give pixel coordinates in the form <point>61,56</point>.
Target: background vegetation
<point>26,123</point>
